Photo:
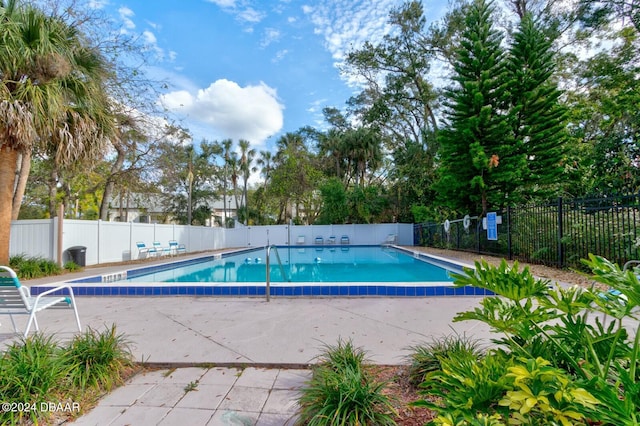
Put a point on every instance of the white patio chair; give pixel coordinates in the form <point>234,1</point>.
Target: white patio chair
<point>160,250</point>
<point>144,251</point>
<point>16,299</point>
<point>175,248</point>
<point>391,239</point>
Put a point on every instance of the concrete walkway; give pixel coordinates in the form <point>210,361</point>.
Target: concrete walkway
<point>288,332</point>
<point>198,396</point>
<point>211,340</point>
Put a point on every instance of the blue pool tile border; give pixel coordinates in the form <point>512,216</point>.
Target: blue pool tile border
<point>101,286</point>
<point>280,291</point>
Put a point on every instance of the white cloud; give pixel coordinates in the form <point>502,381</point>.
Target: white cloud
<point>126,14</point>
<point>149,37</point>
<point>346,24</point>
<point>177,100</point>
<point>271,35</point>
<point>242,11</point>
<point>223,3</point>
<point>280,54</point>
<point>97,4</point>
<point>251,15</point>
<point>151,43</point>
<point>251,112</point>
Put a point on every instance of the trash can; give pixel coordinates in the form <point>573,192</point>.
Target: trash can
<point>78,255</point>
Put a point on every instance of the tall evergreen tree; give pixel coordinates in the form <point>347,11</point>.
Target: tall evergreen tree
<point>538,118</point>
<point>477,168</point>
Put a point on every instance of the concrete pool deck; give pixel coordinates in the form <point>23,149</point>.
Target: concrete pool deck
<point>247,356</point>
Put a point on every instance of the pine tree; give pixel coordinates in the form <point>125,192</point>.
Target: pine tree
<point>538,118</point>
<point>478,165</point>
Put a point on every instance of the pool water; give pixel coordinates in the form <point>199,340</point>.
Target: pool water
<point>353,271</point>
<point>305,264</point>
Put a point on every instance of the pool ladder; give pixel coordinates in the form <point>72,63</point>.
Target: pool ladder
<point>284,276</point>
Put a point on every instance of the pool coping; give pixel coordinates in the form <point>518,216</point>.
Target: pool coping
<point>108,284</point>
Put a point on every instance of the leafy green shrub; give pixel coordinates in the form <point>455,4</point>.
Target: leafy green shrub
<point>32,372</point>
<point>568,363</point>
<point>98,359</point>
<point>467,385</point>
<point>38,371</point>
<point>33,267</point>
<point>72,266</point>
<point>340,391</point>
<point>342,355</point>
<point>541,394</point>
<point>426,357</point>
<point>344,397</point>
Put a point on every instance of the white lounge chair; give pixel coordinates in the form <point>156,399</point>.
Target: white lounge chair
<point>391,239</point>
<point>175,248</point>
<point>319,241</point>
<point>144,251</point>
<point>160,250</point>
<point>344,239</point>
<point>16,299</point>
<point>331,239</point>
<point>300,239</point>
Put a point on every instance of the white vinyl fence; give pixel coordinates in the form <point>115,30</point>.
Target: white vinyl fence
<point>107,242</point>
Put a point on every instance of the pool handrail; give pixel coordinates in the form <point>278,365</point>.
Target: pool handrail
<point>268,280</point>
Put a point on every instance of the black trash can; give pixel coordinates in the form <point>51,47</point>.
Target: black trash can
<point>78,255</point>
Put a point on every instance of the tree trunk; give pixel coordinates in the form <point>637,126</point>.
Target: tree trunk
<point>110,185</point>
<point>53,193</point>
<point>21,185</point>
<point>8,161</point>
<point>245,201</point>
<point>120,210</point>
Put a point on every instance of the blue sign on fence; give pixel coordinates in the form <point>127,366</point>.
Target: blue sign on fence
<point>492,226</point>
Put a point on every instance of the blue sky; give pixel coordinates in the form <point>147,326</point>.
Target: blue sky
<point>253,69</point>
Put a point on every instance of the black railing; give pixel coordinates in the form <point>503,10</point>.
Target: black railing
<point>556,234</point>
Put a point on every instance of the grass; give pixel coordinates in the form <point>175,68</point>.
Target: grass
<point>39,371</point>
<point>427,357</point>
<point>28,267</point>
<point>341,392</point>
<point>98,359</point>
<point>31,371</point>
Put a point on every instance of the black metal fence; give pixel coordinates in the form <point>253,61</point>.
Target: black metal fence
<point>556,234</point>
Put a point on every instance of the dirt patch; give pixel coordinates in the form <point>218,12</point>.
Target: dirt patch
<point>553,274</point>
<point>402,393</point>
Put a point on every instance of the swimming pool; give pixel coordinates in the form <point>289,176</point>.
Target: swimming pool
<point>305,265</point>
<point>300,271</point>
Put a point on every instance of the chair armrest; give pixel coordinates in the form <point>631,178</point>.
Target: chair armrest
<point>53,290</point>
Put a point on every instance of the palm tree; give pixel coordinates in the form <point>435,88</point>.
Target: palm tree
<point>234,167</point>
<point>289,144</point>
<point>333,144</point>
<point>363,147</point>
<point>265,161</point>
<point>226,147</point>
<point>52,99</point>
<point>246,158</point>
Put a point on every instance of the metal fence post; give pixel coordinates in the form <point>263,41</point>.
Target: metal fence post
<point>560,235</point>
<point>509,248</point>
